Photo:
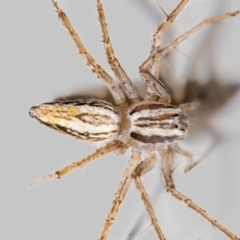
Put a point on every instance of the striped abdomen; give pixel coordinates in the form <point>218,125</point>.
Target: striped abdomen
<point>87,119</point>
<point>157,123</point>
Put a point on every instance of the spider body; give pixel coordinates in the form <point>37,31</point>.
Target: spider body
<point>146,125</point>
<point>149,127</point>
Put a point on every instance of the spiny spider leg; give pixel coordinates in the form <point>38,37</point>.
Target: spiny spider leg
<point>167,169</point>
<point>186,154</point>
<point>81,163</point>
<point>157,37</point>
<point>148,164</point>
<point>162,52</point>
<point>121,192</point>
<point>114,88</point>
<point>155,88</point>
<point>127,86</point>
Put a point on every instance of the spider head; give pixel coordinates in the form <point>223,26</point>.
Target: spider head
<point>157,123</point>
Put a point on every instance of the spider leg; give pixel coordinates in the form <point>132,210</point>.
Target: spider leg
<point>81,163</point>
<point>157,37</point>
<point>145,166</point>
<point>163,51</point>
<point>160,52</point>
<point>190,105</point>
<point>186,154</point>
<point>170,186</point>
<point>121,192</point>
<point>127,86</point>
<point>154,86</point>
<point>114,88</point>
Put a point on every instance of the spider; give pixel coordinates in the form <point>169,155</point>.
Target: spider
<point>148,127</point>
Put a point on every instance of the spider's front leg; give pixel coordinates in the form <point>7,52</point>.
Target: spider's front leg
<point>149,69</point>
<point>145,166</point>
<point>157,37</point>
<point>155,88</point>
<point>161,52</point>
<point>186,154</point>
<point>150,74</point>
<point>121,192</point>
<point>167,170</point>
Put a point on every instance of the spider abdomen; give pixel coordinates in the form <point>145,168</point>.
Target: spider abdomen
<point>91,120</point>
<point>153,122</point>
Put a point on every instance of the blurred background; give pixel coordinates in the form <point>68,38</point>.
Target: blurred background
<point>40,63</point>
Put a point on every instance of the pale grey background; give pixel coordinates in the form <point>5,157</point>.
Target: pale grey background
<point>39,63</point>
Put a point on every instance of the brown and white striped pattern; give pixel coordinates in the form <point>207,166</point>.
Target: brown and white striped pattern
<point>87,119</point>
<point>157,123</point>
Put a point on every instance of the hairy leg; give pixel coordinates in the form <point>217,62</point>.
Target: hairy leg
<point>154,89</point>
<point>121,192</point>
<point>114,88</point>
<point>127,86</point>
<point>81,163</point>
<point>157,37</point>
<point>145,166</point>
<point>163,51</point>
<point>154,86</point>
<point>170,186</point>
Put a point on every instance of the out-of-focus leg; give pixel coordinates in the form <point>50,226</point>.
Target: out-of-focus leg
<point>186,154</point>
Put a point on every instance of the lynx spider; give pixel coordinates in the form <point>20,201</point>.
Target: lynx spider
<point>151,125</point>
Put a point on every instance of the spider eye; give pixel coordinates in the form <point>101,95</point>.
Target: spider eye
<point>175,126</point>
<point>176,115</point>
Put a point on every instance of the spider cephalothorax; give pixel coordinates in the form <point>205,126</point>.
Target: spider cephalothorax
<point>157,123</point>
